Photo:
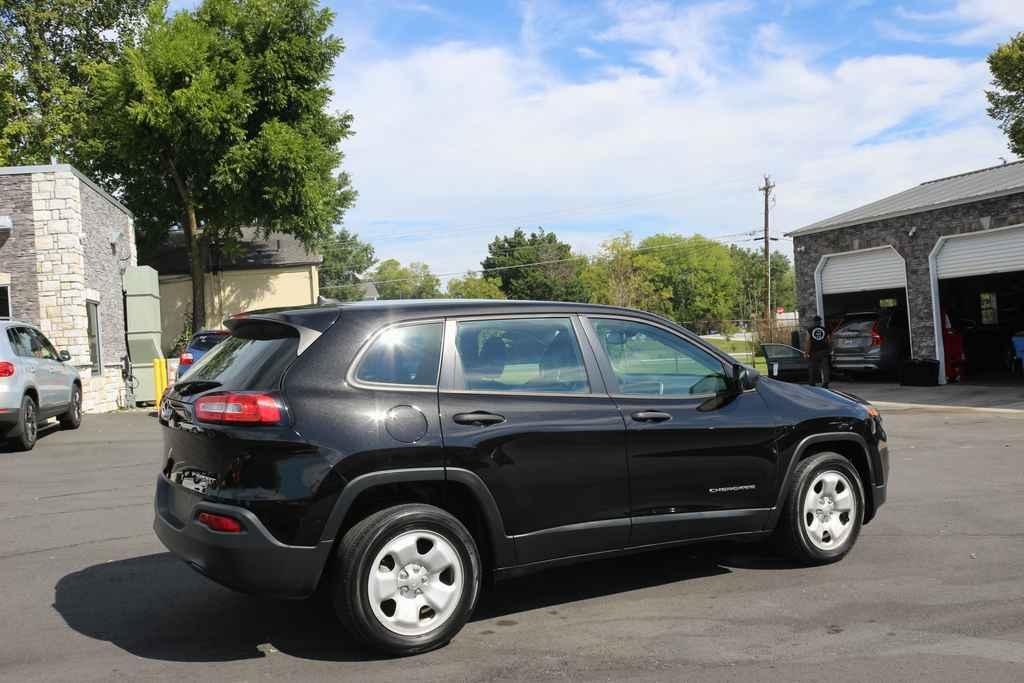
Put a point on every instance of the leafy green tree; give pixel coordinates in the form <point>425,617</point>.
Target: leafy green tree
<point>622,276</point>
<point>217,119</point>
<point>345,256</point>
<point>415,281</point>
<point>748,265</point>
<point>699,273</point>
<point>475,287</point>
<point>1006,100</point>
<point>45,47</point>
<point>556,279</point>
<point>783,282</point>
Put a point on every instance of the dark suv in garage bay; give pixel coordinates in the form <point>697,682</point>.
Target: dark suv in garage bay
<point>871,342</point>
<point>387,455</point>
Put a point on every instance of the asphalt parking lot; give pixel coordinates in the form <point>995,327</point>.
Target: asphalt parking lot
<point>934,588</point>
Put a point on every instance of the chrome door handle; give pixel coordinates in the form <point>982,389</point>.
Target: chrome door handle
<point>479,418</point>
<point>651,416</point>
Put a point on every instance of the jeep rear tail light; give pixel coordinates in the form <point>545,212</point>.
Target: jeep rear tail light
<point>219,522</point>
<point>6,369</point>
<point>185,359</point>
<point>239,408</point>
<point>876,338</point>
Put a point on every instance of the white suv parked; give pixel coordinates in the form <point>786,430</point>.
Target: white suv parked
<point>36,383</point>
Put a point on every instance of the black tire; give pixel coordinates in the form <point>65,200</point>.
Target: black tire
<point>792,535</point>
<point>353,562</point>
<point>73,418</point>
<point>25,434</point>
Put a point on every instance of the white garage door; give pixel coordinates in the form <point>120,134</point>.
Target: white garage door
<point>864,270</point>
<point>991,251</point>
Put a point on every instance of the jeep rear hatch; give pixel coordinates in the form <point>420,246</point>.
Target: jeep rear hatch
<point>261,347</point>
<point>226,422</point>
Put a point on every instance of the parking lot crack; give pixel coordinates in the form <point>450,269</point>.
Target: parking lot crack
<point>72,545</point>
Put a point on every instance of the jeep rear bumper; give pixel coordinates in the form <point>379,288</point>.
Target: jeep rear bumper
<point>251,561</point>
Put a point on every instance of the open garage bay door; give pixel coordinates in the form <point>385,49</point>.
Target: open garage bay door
<point>866,280</point>
<point>983,253</point>
<point>858,271</point>
<point>977,281</point>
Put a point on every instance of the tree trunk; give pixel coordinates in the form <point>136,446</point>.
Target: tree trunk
<point>195,254</point>
<point>196,267</point>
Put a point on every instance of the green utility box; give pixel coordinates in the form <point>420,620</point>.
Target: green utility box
<point>142,307</point>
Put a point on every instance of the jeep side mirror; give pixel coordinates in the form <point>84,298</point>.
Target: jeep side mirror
<point>744,377</point>
<point>64,356</point>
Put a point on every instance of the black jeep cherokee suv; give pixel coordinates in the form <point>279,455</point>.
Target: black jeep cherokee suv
<point>391,453</point>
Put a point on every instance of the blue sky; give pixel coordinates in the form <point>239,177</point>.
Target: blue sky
<point>590,118</point>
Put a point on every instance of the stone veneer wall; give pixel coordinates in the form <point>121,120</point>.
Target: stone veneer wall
<point>73,224</point>
<point>17,252</point>
<point>982,215</point>
<point>104,264</point>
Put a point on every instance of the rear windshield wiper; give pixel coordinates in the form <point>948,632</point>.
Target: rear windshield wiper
<point>195,386</point>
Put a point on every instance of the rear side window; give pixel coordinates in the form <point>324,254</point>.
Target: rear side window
<point>254,357</point>
<point>20,342</point>
<point>520,355</point>
<point>408,355</point>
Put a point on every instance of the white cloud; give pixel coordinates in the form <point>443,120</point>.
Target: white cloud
<point>675,42</point>
<point>994,20</point>
<point>964,22</point>
<point>588,52</point>
<point>483,138</point>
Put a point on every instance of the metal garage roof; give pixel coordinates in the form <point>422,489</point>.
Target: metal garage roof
<point>934,194</point>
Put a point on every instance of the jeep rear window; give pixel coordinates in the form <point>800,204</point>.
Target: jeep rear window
<point>253,357</point>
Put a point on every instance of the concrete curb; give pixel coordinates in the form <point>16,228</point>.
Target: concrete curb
<point>940,408</point>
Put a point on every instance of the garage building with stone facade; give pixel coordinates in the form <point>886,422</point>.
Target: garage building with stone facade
<point>64,245</point>
<point>948,254</point>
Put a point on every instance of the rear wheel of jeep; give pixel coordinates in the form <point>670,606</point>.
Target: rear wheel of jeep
<point>823,513</point>
<point>406,579</point>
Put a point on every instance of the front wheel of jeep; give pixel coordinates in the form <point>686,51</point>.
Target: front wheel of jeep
<point>406,579</point>
<point>823,513</point>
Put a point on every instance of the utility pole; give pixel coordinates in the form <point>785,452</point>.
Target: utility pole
<point>767,190</point>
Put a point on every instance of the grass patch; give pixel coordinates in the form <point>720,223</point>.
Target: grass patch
<point>741,350</point>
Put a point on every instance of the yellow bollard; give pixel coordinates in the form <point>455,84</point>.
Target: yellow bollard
<point>159,378</point>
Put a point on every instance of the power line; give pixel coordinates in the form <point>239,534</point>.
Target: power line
<point>529,218</point>
<point>542,246</point>
<point>720,240</point>
<point>586,209</point>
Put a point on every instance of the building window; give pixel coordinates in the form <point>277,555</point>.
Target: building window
<point>989,309</point>
<point>92,310</point>
<point>5,302</point>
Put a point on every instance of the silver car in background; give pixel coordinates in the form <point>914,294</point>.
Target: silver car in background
<point>36,383</point>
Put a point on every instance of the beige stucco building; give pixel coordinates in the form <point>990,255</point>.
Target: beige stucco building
<point>267,273</point>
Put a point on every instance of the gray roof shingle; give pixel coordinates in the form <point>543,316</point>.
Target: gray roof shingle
<point>278,250</point>
<point>984,183</point>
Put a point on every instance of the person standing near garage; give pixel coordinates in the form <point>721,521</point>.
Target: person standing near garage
<point>819,350</point>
